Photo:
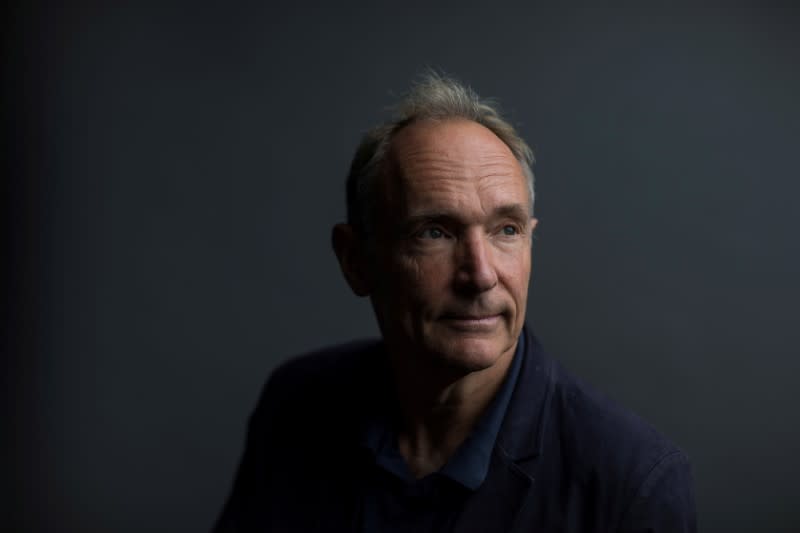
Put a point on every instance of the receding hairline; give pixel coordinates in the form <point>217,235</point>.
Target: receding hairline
<point>390,185</point>
<point>392,164</point>
<point>434,97</point>
<point>428,122</point>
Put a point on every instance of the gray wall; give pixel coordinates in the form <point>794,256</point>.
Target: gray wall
<point>175,172</point>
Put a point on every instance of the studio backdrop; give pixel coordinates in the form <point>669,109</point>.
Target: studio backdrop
<point>175,171</point>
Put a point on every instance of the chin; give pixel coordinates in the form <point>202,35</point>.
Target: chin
<point>467,355</point>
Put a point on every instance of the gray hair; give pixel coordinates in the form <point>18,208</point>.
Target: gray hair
<point>433,97</point>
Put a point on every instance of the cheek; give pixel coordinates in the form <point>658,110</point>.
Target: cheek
<point>410,271</point>
<point>517,271</point>
<point>422,279</point>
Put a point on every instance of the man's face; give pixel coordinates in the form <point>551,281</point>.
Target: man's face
<point>453,256</point>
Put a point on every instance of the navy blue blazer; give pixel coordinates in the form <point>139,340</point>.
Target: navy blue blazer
<point>566,458</point>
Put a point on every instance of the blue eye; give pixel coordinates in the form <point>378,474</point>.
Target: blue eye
<point>510,230</point>
<point>433,233</point>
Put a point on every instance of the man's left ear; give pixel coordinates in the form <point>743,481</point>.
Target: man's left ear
<point>349,250</point>
<point>533,223</point>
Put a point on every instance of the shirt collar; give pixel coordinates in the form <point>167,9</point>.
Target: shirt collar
<point>470,463</point>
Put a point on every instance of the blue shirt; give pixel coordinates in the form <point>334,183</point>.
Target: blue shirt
<point>393,500</point>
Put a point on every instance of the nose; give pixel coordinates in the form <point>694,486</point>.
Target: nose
<point>475,272</point>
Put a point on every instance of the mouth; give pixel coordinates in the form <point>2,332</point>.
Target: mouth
<point>472,322</point>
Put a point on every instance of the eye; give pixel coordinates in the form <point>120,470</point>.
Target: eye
<point>432,233</point>
<point>510,230</point>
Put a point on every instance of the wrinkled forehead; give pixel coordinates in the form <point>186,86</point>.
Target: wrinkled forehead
<point>445,164</point>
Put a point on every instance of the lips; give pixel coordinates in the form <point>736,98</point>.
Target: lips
<point>483,322</point>
<point>475,314</point>
<point>470,317</point>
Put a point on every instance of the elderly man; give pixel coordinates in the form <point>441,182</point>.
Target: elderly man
<point>456,420</point>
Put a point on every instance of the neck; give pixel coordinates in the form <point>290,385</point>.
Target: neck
<point>438,409</point>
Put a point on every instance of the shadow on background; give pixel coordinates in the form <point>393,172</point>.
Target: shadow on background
<point>174,173</point>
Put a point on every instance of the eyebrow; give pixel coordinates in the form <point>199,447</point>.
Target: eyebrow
<point>518,211</point>
<point>515,211</point>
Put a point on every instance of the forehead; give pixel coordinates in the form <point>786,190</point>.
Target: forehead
<point>457,165</point>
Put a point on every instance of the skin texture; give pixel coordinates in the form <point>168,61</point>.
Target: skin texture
<point>447,277</point>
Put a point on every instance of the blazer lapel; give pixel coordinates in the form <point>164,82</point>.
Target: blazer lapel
<point>496,503</point>
<point>510,485</point>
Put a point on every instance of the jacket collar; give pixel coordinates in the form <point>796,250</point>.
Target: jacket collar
<point>522,432</point>
<point>511,484</point>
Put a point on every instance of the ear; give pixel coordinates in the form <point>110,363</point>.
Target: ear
<point>533,223</point>
<point>350,251</point>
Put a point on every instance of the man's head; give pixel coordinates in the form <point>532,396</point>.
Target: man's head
<point>440,205</point>
<point>434,97</point>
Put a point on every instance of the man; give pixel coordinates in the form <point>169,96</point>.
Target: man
<point>456,420</point>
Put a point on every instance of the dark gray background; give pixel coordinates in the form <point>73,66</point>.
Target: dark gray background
<point>174,174</point>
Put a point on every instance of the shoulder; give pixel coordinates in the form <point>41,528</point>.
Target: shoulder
<point>600,429</point>
<point>307,408</point>
<point>320,386</point>
<point>612,454</point>
<point>339,362</point>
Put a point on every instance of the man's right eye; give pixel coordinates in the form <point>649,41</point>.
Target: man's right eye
<point>432,233</point>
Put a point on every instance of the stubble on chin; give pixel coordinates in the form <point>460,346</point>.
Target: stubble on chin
<point>465,353</point>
